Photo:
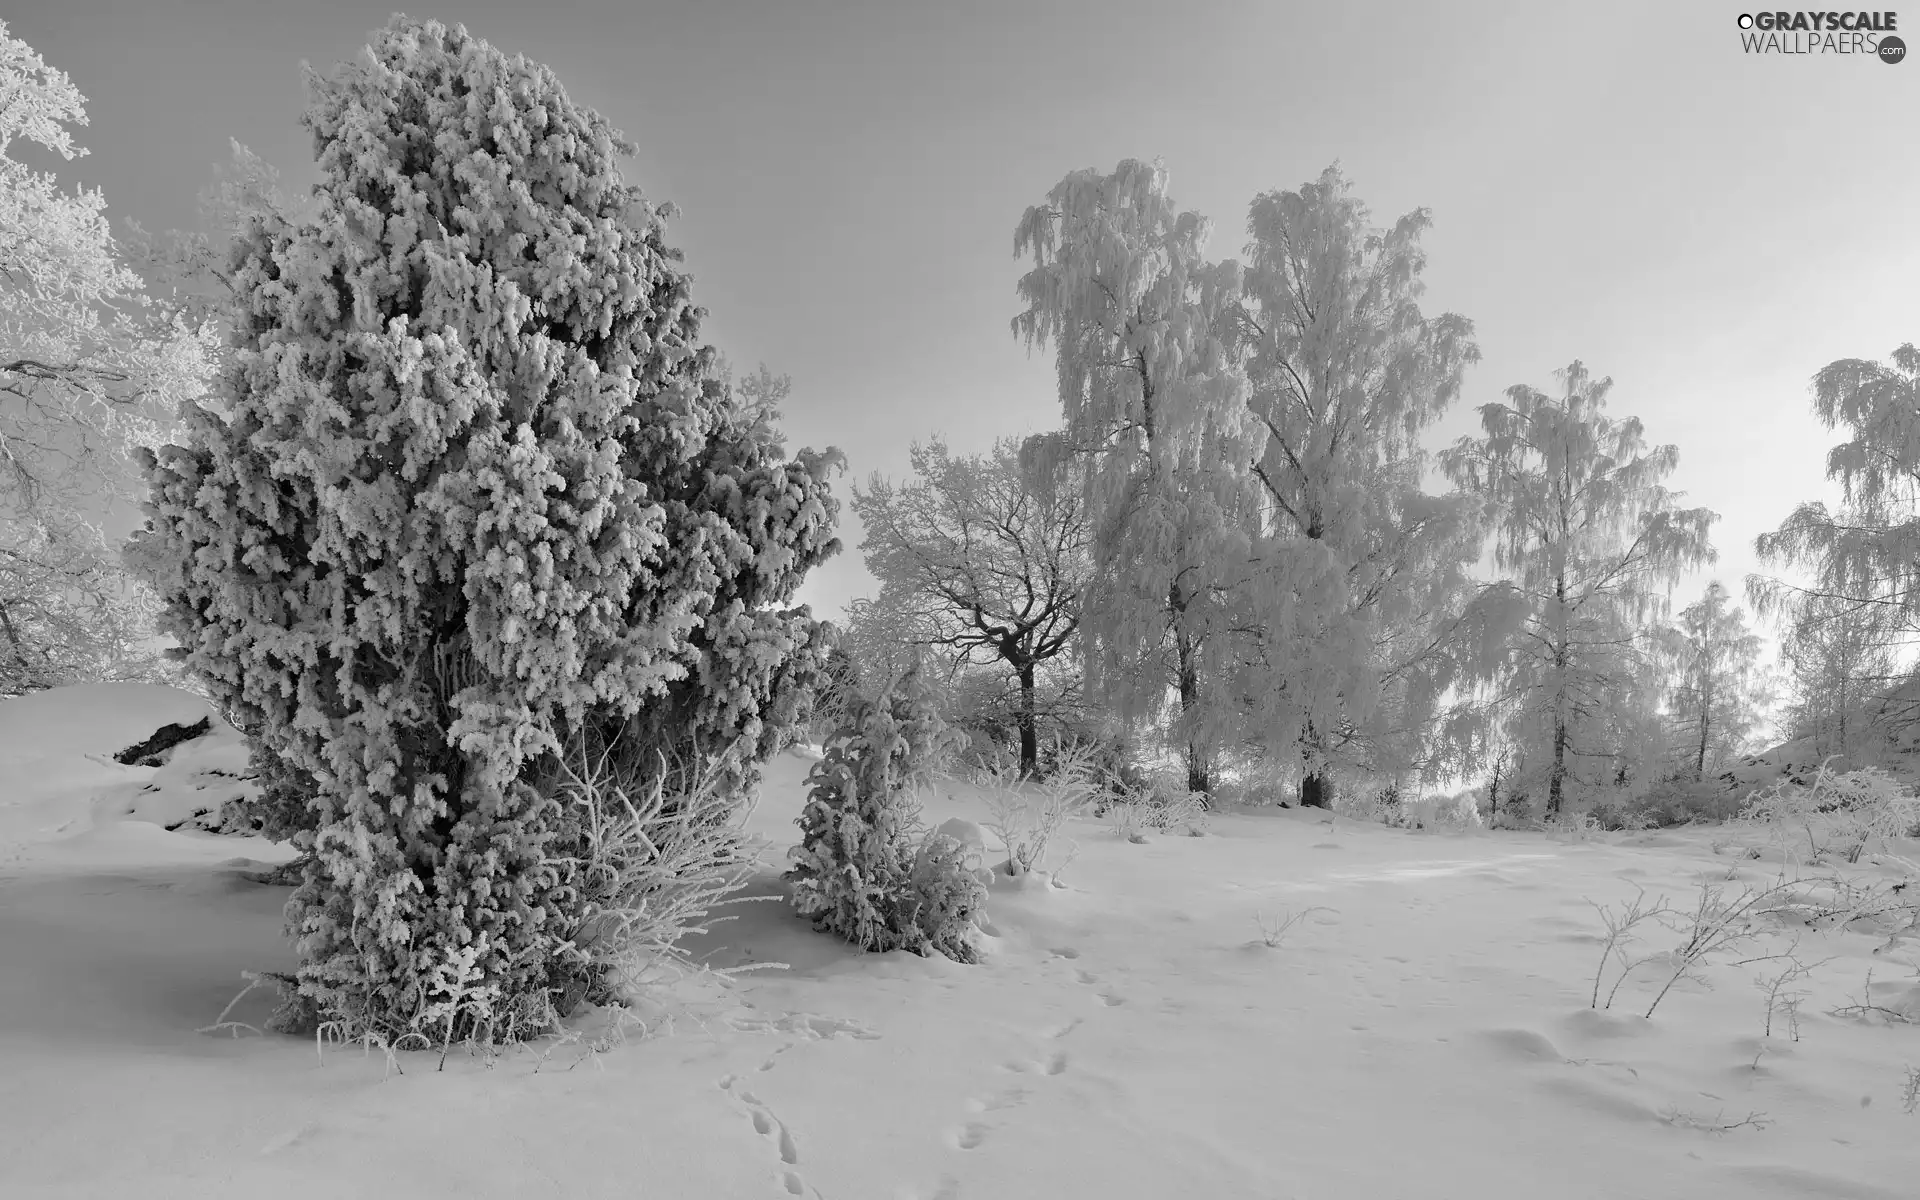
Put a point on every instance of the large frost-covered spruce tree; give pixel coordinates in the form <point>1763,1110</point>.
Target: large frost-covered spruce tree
<point>473,495</point>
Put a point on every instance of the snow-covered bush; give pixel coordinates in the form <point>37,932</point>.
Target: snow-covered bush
<point>648,867</point>
<point>1028,814</point>
<point>1459,812</point>
<point>864,868</point>
<point>1515,811</point>
<point>1155,800</point>
<point>472,493</point>
<point>1836,815</point>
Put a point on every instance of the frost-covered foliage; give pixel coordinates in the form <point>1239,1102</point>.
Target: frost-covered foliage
<point>1842,673</point>
<point>837,687</point>
<point>864,868</point>
<point>1591,540</point>
<point>1836,815</point>
<point>1028,813</point>
<point>1719,689</point>
<point>1153,800</point>
<point>1856,605</point>
<point>1868,551</point>
<point>473,494</point>
<point>1268,560</point>
<point>1121,289</point>
<point>89,370</point>
<point>983,558</point>
<point>1460,811</point>
<point>649,867</point>
<point>1358,580</point>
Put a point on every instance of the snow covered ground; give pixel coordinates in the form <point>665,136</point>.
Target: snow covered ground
<point>1425,1031</point>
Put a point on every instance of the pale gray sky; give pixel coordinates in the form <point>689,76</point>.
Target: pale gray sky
<point>1612,182</point>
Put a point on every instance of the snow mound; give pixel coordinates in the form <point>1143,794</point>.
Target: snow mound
<point>99,719</point>
<point>57,753</point>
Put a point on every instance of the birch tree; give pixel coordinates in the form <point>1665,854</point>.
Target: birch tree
<point>1359,573</point>
<point>1866,554</point>
<point>1840,664</point>
<point>1119,287</point>
<point>988,559</point>
<point>89,370</point>
<point>1590,536</point>
<point>1718,690</point>
<point>1857,601</point>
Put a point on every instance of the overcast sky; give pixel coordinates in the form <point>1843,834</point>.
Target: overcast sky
<point>1613,182</point>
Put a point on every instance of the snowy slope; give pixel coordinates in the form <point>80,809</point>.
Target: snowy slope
<point>58,776</point>
<point>1425,1032</point>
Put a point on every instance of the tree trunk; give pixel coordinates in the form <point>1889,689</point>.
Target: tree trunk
<point>13,643</point>
<point>1557,770</point>
<point>1706,686</point>
<point>1316,786</point>
<point>1187,652</point>
<point>1562,647</point>
<point>1199,777</point>
<point>1316,790</point>
<point>1700,757</point>
<point>1493,790</point>
<point>1029,725</point>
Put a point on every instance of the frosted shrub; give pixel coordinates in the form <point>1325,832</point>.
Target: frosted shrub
<point>1459,812</point>
<point>1028,814</point>
<point>648,867</point>
<point>1156,802</point>
<point>471,486</point>
<point>865,869</point>
<point>1838,814</point>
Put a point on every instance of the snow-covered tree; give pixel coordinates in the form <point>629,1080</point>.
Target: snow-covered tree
<point>865,868</point>
<point>1121,289</point>
<point>89,370</point>
<point>187,271</point>
<point>1359,575</point>
<point>1869,551</point>
<point>1842,672</point>
<point>989,558</point>
<point>473,496</point>
<point>1857,605</point>
<point>1718,687</point>
<point>1590,538</point>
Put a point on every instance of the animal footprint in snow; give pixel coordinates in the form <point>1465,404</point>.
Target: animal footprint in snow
<point>1057,1062</point>
<point>1065,952</point>
<point>971,1136</point>
<point>1112,1001</point>
<point>771,1127</point>
<point>773,1059</point>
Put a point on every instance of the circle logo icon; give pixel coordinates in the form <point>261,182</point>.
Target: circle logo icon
<point>1746,21</point>
<point>1892,50</point>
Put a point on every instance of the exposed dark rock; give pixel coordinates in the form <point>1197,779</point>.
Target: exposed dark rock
<point>152,752</point>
